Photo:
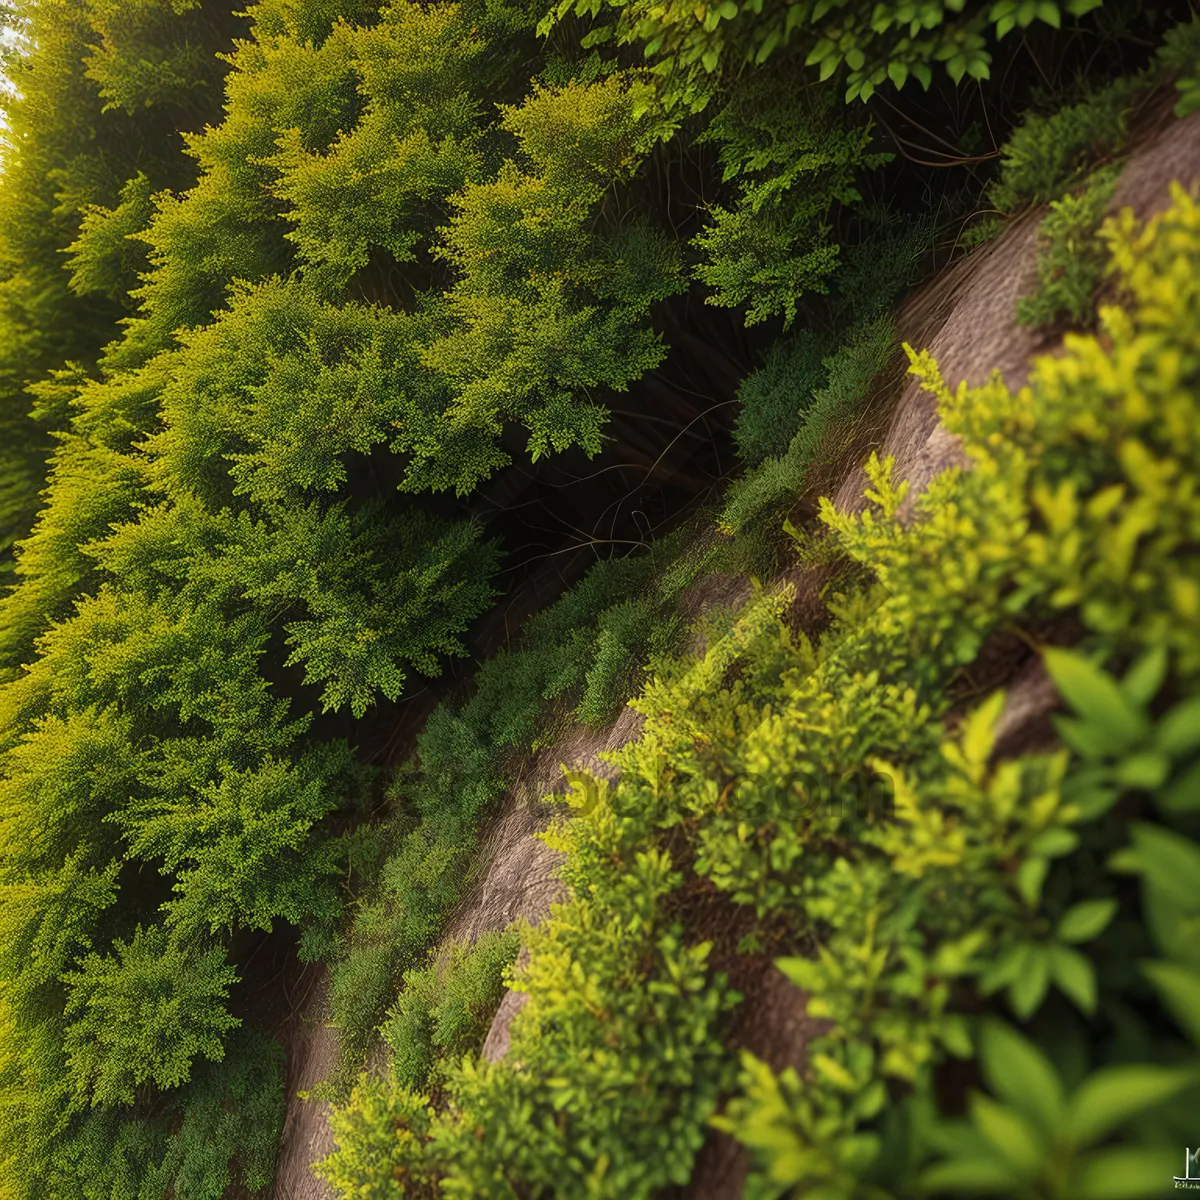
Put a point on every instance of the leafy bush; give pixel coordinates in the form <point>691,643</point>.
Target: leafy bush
<point>445,1008</point>
<point>1051,1134</point>
<point>381,1119</point>
<point>773,399</point>
<point>111,1045</point>
<point>1071,258</point>
<point>873,44</point>
<point>1178,56</point>
<point>850,370</point>
<point>153,52</point>
<point>936,881</point>
<point>793,164</point>
<point>104,259</point>
<point>585,654</point>
<point>546,306</point>
<point>1048,153</point>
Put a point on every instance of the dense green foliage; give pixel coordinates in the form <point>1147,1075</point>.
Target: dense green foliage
<point>1071,261</point>
<point>947,882</point>
<point>70,159</point>
<point>292,302</point>
<point>849,372</point>
<point>445,1008</point>
<point>576,659</point>
<point>871,45</point>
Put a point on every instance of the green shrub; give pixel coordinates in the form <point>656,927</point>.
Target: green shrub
<point>1071,257</point>
<point>585,652</point>
<point>773,399</point>
<point>382,1138</point>
<point>547,304</point>
<point>1047,154</point>
<point>68,158</point>
<point>918,879</point>
<point>849,372</point>
<point>105,258</point>
<point>1178,56</point>
<point>153,52</point>
<point>444,1009</point>
<point>793,163</point>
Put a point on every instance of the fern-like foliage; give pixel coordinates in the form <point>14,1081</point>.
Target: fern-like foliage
<point>445,1008</point>
<point>1178,56</point>
<point>792,164</point>
<point>545,310</point>
<point>773,399</point>
<point>105,259</point>
<point>144,1012</point>
<point>1048,153</point>
<point>826,416</point>
<point>153,52</point>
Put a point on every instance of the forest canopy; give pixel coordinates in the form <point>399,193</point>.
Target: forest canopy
<point>334,334</point>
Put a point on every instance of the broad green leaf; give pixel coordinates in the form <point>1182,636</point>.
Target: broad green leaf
<point>1048,12</point>
<point>1054,843</point>
<point>1074,976</point>
<point>1114,1095</point>
<point>1090,791</point>
<point>1182,795</point>
<point>1179,987</point>
<point>1166,861</point>
<point>1096,697</point>
<point>837,1074</point>
<point>955,1035</point>
<point>1007,967</point>
<point>1178,731</point>
<point>1126,1173</point>
<point>1028,991</point>
<point>956,1138</point>
<point>1143,772</point>
<point>1143,680</point>
<point>970,1176</point>
<point>1086,920</point>
<point>1019,1073</point>
<point>1031,875</point>
<point>820,52</point>
<point>1009,1133</point>
<point>1085,739</point>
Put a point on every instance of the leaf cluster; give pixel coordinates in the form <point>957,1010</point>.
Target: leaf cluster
<point>919,877</point>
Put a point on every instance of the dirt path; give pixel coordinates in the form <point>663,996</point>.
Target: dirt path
<point>311,1058</point>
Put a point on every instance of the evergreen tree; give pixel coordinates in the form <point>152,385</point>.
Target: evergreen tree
<point>85,149</point>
